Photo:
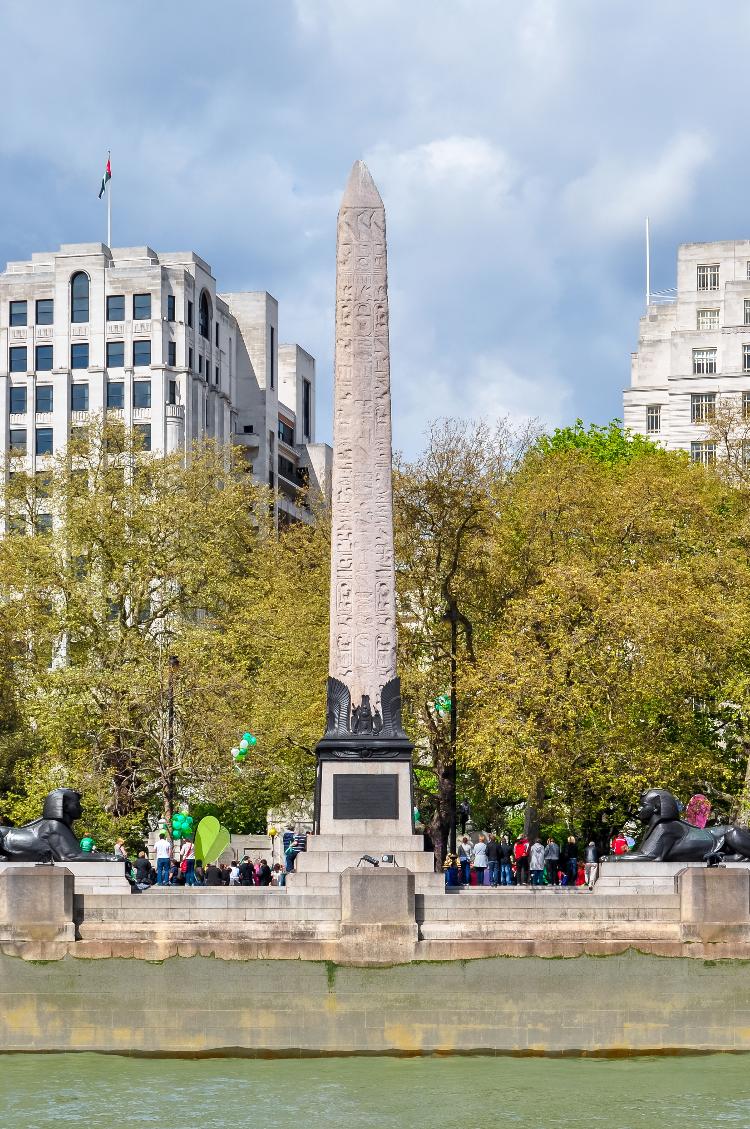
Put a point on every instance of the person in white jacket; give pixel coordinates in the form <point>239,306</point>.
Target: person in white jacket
<point>536,863</point>
<point>479,859</point>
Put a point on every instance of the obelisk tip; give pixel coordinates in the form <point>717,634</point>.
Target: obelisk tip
<point>361,191</point>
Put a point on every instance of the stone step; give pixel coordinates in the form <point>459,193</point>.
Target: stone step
<point>603,915</point>
<point>419,862</point>
<point>138,932</point>
<point>142,913</point>
<point>234,898</point>
<point>365,844</point>
<point>513,931</point>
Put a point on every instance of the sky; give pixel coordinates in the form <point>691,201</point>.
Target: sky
<point>518,147</point>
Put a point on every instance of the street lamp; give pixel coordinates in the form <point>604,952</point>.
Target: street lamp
<point>451,616</point>
<point>174,666</point>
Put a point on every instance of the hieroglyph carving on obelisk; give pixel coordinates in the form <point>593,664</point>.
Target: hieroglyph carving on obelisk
<point>363,603</point>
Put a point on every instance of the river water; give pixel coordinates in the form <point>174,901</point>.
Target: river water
<point>107,1092</point>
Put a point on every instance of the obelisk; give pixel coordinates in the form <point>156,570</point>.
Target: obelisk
<point>364,700</point>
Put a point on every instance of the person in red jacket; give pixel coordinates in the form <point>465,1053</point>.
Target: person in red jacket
<point>521,855</point>
<point>619,844</point>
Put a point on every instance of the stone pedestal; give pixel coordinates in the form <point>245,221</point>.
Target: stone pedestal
<point>378,923</point>
<point>714,903</point>
<point>90,877</point>
<point>372,797</point>
<point>36,903</point>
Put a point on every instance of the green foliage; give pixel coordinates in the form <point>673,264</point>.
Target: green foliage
<point>609,444</point>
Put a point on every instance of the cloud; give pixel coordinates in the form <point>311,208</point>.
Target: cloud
<point>616,194</point>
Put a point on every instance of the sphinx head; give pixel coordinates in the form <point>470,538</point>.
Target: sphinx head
<point>64,805</point>
<point>658,803</point>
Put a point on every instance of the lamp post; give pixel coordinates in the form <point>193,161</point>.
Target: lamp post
<point>451,615</point>
<point>174,666</point>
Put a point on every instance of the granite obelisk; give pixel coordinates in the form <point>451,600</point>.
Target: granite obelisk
<point>364,698</point>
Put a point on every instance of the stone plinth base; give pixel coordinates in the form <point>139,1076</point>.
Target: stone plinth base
<point>90,877</point>
<point>36,903</point>
<point>364,797</point>
<point>648,877</point>
<point>318,868</point>
<point>715,903</point>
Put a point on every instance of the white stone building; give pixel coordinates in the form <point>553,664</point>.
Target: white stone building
<point>694,350</point>
<point>145,336</point>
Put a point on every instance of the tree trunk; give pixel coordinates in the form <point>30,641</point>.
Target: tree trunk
<point>531,816</point>
<point>440,825</point>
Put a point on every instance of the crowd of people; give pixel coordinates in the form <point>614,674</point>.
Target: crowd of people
<point>494,861</point>
<point>175,865</point>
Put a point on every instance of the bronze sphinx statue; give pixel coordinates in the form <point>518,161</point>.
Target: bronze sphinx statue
<point>668,838</point>
<point>51,838</point>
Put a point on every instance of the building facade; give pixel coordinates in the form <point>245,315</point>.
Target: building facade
<point>147,338</point>
<point>694,350</point>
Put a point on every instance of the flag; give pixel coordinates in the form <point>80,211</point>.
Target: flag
<point>107,177</point>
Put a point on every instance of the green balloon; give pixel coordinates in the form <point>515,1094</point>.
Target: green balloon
<point>252,740</point>
<point>246,736</point>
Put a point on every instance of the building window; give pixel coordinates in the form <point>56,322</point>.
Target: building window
<point>170,307</point>
<point>306,407</point>
<point>116,307</point>
<point>204,316</point>
<point>141,393</point>
<point>286,433</point>
<point>18,440</point>
<point>217,334</point>
<point>190,314</point>
<point>287,469</point>
<point>708,277</point>
<point>200,365</point>
<point>18,399</point>
<point>271,459</point>
<point>708,319</point>
<point>79,355</point>
<point>702,407</point>
<point>44,358</point>
<point>43,523</point>
<point>273,354</point>
<point>44,398</point>
<point>43,444</point>
<point>79,292</point>
<point>703,453</point>
<point>45,311</point>
<point>18,358</point>
<point>18,313</point>
<point>216,375</point>
<point>704,361</point>
<point>141,306</point>
<point>653,418</point>
<point>746,405</point>
<point>190,359</point>
<point>115,394</point>
<point>141,353</point>
<point>143,431</point>
<point>748,270</point>
<point>171,391</point>
<point>115,354</point>
<point>172,353</point>
<point>746,358</point>
<point>79,397</point>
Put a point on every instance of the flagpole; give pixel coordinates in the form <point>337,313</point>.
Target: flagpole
<point>109,206</point>
<point>648,264</point>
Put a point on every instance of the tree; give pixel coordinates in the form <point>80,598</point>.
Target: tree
<point>445,504</point>
<point>144,557</point>
<point>610,444</point>
<point>620,606</point>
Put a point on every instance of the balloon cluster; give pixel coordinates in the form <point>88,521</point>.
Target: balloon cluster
<point>88,844</point>
<point>443,704</point>
<point>239,753</point>
<point>182,825</point>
